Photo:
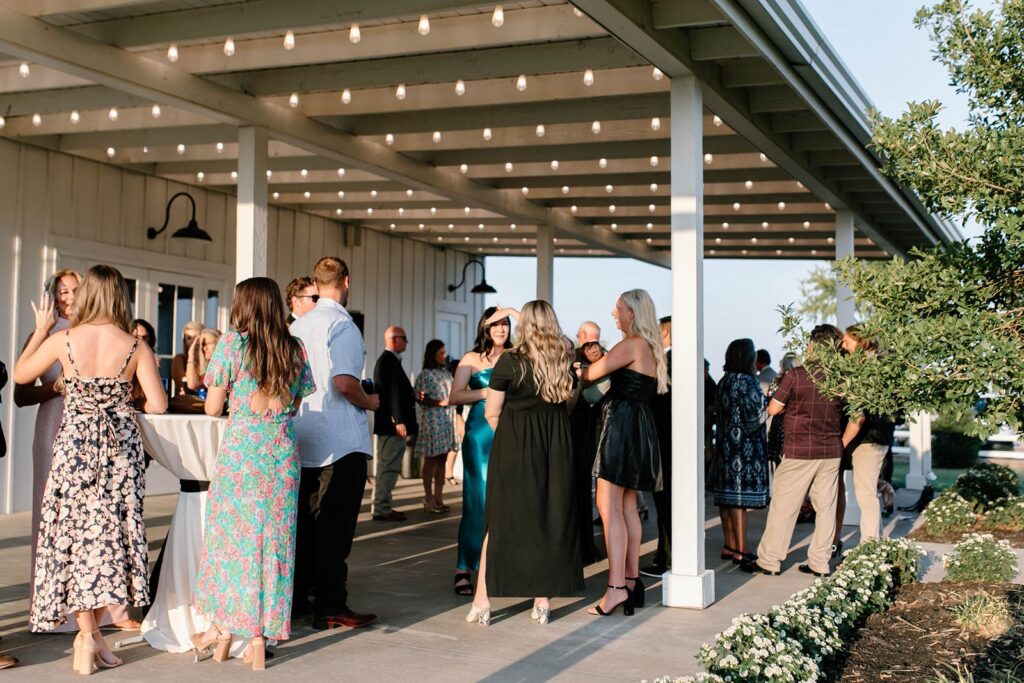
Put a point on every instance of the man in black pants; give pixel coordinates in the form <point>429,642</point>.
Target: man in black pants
<point>334,444</point>
<point>662,409</point>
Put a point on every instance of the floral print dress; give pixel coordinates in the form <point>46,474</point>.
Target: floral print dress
<point>92,548</point>
<point>436,436</point>
<point>245,573</point>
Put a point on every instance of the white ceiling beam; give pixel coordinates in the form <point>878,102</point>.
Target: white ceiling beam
<point>42,8</point>
<point>86,58</point>
<point>689,14</point>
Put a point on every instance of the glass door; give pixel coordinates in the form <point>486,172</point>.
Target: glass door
<point>179,299</point>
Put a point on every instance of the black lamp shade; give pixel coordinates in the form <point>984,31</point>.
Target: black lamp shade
<point>483,288</point>
<point>192,231</point>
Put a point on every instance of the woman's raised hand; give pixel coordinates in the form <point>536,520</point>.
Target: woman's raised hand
<point>46,314</point>
<point>501,314</point>
<point>194,349</point>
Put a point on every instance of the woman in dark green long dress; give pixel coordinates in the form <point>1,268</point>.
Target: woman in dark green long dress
<point>532,545</point>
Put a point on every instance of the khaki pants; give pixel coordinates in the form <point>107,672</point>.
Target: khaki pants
<point>867,465</point>
<point>793,480</point>
<point>390,450</point>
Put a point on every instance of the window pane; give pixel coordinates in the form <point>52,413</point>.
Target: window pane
<point>165,320</point>
<point>133,287</point>
<point>212,304</point>
<point>184,315</point>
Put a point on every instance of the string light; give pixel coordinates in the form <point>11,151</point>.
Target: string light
<point>400,91</point>
<point>588,77</point>
<point>602,162</point>
<point>540,130</point>
<point>525,190</point>
<point>725,226</point>
<point>433,211</point>
<point>708,158</point>
<point>748,184</point>
<point>735,206</point>
<point>220,148</point>
<point>37,120</point>
<point>75,116</point>
<point>229,46</point>
<point>306,194</point>
<point>466,210</point>
<point>595,127</point>
<point>508,167</point>
<point>654,161</point>
<point>717,121</point>
<point>354,35</point>
<point>409,192</point>
<point>611,208</point>
<point>23,70</point>
<point>337,212</point>
<point>573,208</point>
<point>609,188</point>
<point>656,123</point>
<point>156,111</point>
<point>521,83</point>
<point>807,225</point>
<point>764,158</point>
<point>554,164</point>
<point>401,211</point>
<point>782,206</point>
<point>3,122</point>
<point>112,114</point>
<point>145,149</point>
<point>269,173</point>
<point>487,133</point>
<point>341,172</point>
<point>436,137</point>
<point>657,74</point>
<point>293,100</point>
<point>424,26</point>
<point>289,40</point>
<point>764,225</point>
<point>654,187</point>
<point>181,149</point>
<point>464,169</point>
<point>234,175</point>
<point>346,96</point>
<point>498,18</point>
<point>460,87</point>
<point>304,173</point>
<point>577,11</point>
<point>373,194</point>
<point>172,53</point>
<point>341,194</point>
<point>389,139</point>
<point>111,152</point>
<point>565,189</point>
<point>200,176</point>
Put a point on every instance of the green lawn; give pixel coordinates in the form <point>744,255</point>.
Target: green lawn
<point>946,477</point>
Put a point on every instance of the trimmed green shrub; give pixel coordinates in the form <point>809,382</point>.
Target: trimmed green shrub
<point>949,513</point>
<point>1008,516</point>
<point>979,557</point>
<point>953,450</point>
<point>986,485</point>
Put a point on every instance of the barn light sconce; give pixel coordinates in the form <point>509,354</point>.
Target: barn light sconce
<point>192,231</point>
<point>482,287</point>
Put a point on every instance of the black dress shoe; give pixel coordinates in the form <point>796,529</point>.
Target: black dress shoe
<point>806,569</point>
<point>755,568</point>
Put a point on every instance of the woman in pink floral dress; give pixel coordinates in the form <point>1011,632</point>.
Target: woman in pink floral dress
<point>244,585</point>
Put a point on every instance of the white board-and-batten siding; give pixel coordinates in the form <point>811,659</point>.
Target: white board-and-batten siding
<point>57,209</point>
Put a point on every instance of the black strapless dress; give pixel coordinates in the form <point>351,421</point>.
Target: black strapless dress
<point>627,440</point>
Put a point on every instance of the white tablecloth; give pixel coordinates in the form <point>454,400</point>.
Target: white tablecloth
<point>186,445</point>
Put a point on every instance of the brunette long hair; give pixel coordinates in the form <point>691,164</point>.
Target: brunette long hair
<point>541,342</point>
<point>272,354</point>
<point>484,343</point>
<point>103,295</point>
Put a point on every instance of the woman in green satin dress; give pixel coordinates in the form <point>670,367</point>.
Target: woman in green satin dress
<point>470,387</point>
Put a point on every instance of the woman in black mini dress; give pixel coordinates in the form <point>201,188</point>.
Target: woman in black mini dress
<point>628,458</point>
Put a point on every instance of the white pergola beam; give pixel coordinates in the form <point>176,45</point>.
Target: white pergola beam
<point>80,56</point>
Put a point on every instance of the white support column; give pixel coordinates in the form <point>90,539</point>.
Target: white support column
<point>689,583</point>
<point>251,215</point>
<point>546,263</point>
<point>920,442</point>
<point>845,312</point>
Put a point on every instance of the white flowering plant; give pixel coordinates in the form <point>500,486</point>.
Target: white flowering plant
<point>949,512</point>
<point>1008,515</point>
<point>979,557</point>
<point>800,639</point>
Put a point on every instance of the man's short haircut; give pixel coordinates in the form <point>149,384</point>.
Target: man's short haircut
<point>295,288</point>
<point>826,335</point>
<point>330,271</point>
<point>763,357</point>
<point>667,320</point>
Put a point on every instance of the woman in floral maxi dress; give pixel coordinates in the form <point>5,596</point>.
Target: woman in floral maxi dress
<point>245,574</point>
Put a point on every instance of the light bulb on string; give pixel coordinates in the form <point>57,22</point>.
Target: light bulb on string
<point>521,83</point>
<point>23,70</point>
<point>111,152</point>
<point>424,25</point>
<point>75,117</point>
<point>657,74</point>
<point>554,165</point>
<point>341,172</point>
<point>112,114</point>
<point>304,173</point>
<point>463,169</point>
<point>346,96</point>
<point>565,189</point>
<point>37,120</point>
<point>656,123</point>
<point>293,100</point>
<point>289,40</point>
<point>341,194</point>
<point>199,176</point>
<point>229,46</point>
<point>708,158</point>
<point>654,161</point>
<point>156,111</point>
<point>172,53</point>
<point>654,187</point>
<point>717,121</point>
<point>181,149</point>
<point>307,194</point>
<point>595,127</point>
<point>220,148</point>
<point>389,139</point>
<point>540,130</point>
<point>234,175</point>
<point>577,11</point>
<point>588,77</point>
<point>498,18</point>
<point>436,137</point>
<point>460,87</point>
<point>354,35</point>
<point>508,167</point>
<point>609,188</point>
<point>602,163</point>
<point>487,133</point>
<point>400,91</point>
<point>409,192</point>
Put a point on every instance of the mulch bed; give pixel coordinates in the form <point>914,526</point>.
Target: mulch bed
<point>918,636</point>
<point>1016,538</point>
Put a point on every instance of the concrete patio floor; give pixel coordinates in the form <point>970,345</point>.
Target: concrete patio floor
<point>403,572</point>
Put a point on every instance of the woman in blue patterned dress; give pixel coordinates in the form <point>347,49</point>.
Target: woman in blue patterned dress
<point>436,420</point>
<point>741,477</point>
<point>244,584</point>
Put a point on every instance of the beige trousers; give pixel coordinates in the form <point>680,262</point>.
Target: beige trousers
<point>793,480</point>
<point>867,465</point>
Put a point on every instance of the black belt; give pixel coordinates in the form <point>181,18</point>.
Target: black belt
<point>193,486</point>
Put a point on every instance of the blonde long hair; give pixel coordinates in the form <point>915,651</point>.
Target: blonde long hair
<point>541,342</point>
<point>103,295</point>
<point>646,326</point>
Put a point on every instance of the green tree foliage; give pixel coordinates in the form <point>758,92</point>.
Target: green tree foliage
<point>950,320</point>
<point>818,297</point>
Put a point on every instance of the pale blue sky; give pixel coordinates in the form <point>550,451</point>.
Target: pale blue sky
<point>891,60</point>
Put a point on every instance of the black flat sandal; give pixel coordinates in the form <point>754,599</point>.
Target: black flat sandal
<point>464,589</point>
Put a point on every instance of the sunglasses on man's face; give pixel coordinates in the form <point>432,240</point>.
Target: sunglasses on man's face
<point>312,297</point>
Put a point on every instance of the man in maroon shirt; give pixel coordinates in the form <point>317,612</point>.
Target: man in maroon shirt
<point>813,446</point>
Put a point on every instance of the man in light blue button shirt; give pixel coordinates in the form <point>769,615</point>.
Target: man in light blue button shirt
<point>333,435</point>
